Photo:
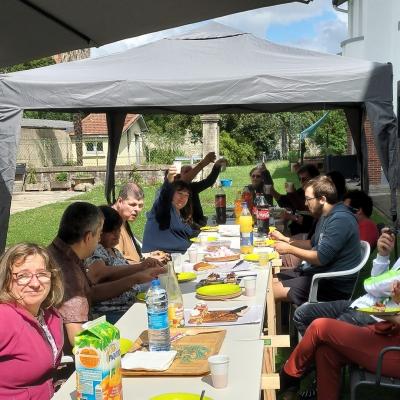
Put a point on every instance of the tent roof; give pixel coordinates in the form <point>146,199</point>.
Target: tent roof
<point>211,69</point>
<point>36,28</point>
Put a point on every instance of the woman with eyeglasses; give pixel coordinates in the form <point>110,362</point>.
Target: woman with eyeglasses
<point>260,176</point>
<point>169,223</point>
<point>31,332</point>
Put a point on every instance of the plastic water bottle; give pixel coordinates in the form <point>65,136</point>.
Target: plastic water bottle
<point>157,315</point>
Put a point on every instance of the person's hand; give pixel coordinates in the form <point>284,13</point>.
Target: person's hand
<point>149,274</point>
<point>210,157</point>
<point>396,292</point>
<point>172,172</point>
<point>279,236</point>
<point>282,247</point>
<point>385,242</point>
<point>151,262</point>
<point>221,162</point>
<point>160,256</point>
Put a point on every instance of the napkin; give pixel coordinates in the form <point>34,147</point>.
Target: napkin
<point>229,230</point>
<point>148,360</point>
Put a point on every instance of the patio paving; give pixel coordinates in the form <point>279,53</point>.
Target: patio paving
<point>22,201</point>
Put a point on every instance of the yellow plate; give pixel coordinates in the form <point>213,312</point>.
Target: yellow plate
<point>387,312</point>
<point>179,396</point>
<point>222,289</point>
<point>125,345</point>
<point>208,228</point>
<point>186,276</point>
<point>255,257</point>
<point>272,228</point>
<point>141,296</point>
<point>252,257</point>
<point>210,239</point>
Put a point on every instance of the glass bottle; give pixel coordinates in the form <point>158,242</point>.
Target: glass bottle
<point>175,301</point>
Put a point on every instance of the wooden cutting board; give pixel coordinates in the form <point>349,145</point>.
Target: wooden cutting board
<point>193,352</point>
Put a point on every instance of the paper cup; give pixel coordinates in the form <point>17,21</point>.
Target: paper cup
<point>192,253</point>
<point>267,189</point>
<point>219,370</point>
<point>289,186</point>
<point>203,241</point>
<point>178,165</point>
<point>263,260</point>
<point>177,261</point>
<point>249,285</point>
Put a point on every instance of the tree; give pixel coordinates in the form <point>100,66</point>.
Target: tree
<point>236,153</point>
<point>331,136</point>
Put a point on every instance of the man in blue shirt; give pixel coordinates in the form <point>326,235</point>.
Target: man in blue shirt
<point>335,246</point>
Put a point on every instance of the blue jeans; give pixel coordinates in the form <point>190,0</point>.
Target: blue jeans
<point>339,309</point>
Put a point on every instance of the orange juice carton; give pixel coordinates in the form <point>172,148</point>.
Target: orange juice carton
<point>98,362</point>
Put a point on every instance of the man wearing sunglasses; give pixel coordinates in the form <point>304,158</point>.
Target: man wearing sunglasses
<point>335,246</point>
<point>296,201</point>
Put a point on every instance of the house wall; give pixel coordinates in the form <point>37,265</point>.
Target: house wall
<point>130,149</point>
<point>374,35</point>
<point>44,147</point>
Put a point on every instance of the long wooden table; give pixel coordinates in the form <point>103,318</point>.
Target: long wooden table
<point>242,344</point>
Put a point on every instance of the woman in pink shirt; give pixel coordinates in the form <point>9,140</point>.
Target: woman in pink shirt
<point>31,335</point>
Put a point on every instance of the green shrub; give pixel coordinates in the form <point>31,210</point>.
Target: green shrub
<point>164,156</point>
<point>293,156</point>
<point>236,153</point>
<point>135,176</point>
<point>62,177</point>
<point>31,176</point>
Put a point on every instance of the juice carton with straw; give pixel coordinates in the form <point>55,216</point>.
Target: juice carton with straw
<point>98,362</point>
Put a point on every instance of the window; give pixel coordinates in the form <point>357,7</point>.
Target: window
<point>94,147</point>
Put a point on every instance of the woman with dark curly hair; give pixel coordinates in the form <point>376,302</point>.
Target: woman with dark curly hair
<point>168,227</point>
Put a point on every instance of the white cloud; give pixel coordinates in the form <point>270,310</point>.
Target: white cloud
<point>257,22</point>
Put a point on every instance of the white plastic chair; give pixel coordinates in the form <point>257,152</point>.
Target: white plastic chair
<point>365,251</point>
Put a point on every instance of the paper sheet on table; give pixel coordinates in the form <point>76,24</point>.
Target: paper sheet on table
<point>148,360</point>
<point>253,315</point>
<point>229,230</point>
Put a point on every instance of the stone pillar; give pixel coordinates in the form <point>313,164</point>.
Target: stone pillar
<point>210,137</point>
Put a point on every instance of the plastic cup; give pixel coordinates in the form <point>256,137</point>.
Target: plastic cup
<point>267,189</point>
<point>289,186</point>
<point>203,241</point>
<point>192,253</point>
<point>178,165</point>
<point>177,261</point>
<point>219,365</point>
<point>263,260</point>
<point>249,285</point>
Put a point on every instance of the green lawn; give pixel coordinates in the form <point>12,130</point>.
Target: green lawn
<point>40,224</point>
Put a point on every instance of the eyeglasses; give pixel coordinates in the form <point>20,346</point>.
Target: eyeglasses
<point>23,278</point>
<point>256,176</point>
<point>311,198</point>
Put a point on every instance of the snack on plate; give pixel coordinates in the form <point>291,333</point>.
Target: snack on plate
<point>213,277</point>
<point>201,266</point>
<point>215,246</point>
<point>201,314</point>
<point>230,278</point>
<point>222,254</point>
<point>381,307</point>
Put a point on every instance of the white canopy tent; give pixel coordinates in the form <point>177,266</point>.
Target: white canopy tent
<point>214,69</point>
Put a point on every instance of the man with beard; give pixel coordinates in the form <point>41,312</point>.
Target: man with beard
<point>335,246</point>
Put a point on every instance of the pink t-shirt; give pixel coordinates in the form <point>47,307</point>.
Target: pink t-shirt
<point>368,232</point>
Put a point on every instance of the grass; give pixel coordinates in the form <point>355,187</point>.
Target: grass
<point>40,225</point>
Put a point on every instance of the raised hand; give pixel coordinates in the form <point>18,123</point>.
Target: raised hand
<point>385,242</point>
<point>172,172</point>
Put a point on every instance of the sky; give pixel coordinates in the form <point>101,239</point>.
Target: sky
<point>315,26</point>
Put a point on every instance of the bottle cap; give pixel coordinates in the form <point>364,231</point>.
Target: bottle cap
<point>155,282</point>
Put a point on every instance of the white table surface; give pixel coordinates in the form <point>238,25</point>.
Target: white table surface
<point>241,344</point>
